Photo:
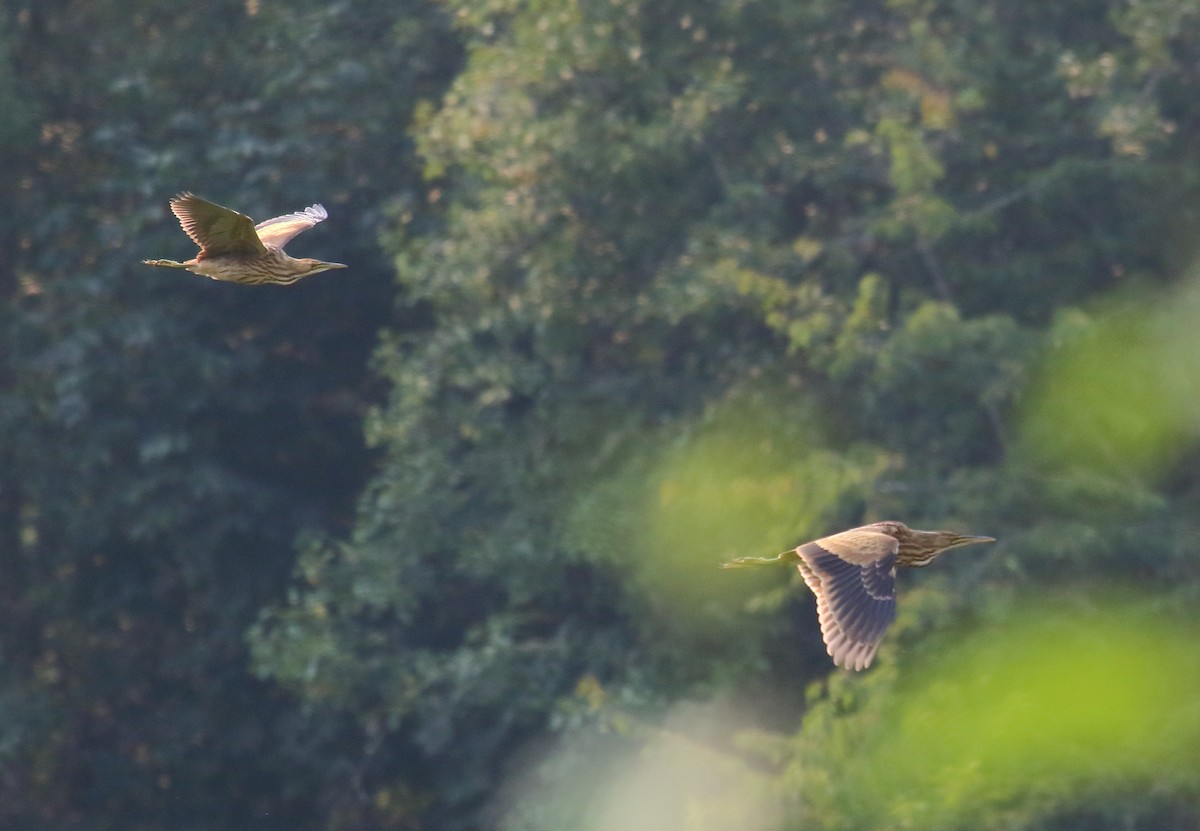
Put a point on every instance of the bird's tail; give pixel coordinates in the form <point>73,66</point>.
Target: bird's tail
<point>165,263</point>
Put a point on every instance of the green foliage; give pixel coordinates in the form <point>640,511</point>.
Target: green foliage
<point>1145,348</point>
<point>673,283</point>
<point>753,474</point>
<point>163,439</point>
<point>985,735</point>
<point>709,280</point>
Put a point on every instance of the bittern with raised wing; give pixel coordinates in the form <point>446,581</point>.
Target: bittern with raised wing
<point>853,575</point>
<point>234,249</point>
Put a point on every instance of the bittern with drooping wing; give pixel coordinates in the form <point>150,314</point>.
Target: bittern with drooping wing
<point>234,249</point>
<point>853,575</point>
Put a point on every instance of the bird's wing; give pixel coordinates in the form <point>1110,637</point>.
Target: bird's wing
<point>281,229</point>
<point>856,602</point>
<point>215,229</point>
<point>860,545</point>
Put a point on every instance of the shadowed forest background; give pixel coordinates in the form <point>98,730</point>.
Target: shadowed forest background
<point>635,287</point>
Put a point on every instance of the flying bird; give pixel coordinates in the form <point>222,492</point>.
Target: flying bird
<point>853,575</point>
<point>234,249</point>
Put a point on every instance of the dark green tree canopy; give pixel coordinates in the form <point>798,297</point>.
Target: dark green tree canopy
<point>636,287</point>
<point>708,280</point>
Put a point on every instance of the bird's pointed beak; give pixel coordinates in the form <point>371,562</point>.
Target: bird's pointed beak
<point>330,266</point>
<point>970,540</point>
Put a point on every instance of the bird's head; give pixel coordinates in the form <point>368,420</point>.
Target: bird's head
<point>923,547</point>
<point>317,266</point>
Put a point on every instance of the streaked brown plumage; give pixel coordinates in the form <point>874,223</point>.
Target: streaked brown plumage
<point>234,249</point>
<point>853,575</point>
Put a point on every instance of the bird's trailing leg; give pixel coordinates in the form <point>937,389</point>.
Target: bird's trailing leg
<point>748,562</point>
<point>165,263</point>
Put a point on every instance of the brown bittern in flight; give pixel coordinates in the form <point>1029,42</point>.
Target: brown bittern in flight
<point>234,249</point>
<point>853,575</point>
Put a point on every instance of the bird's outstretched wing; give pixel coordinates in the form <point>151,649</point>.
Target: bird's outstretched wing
<point>855,584</point>
<point>215,229</point>
<point>281,229</point>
